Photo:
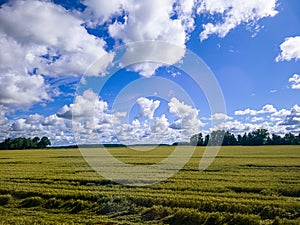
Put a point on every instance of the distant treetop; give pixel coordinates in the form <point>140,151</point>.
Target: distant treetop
<point>24,143</point>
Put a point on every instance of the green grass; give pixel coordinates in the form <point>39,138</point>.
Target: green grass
<point>244,185</point>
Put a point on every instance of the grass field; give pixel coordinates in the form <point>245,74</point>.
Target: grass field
<point>244,185</point>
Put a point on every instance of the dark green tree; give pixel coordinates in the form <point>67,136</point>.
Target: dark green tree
<point>259,137</point>
<point>35,142</point>
<point>290,139</point>
<point>44,142</point>
<point>216,138</point>
<point>229,139</point>
<point>244,140</point>
<point>206,139</point>
<point>277,140</point>
<point>197,140</point>
<point>239,139</point>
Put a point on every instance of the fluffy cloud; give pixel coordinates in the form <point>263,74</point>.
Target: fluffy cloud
<point>234,13</point>
<point>38,39</point>
<point>3,111</point>
<point>22,90</point>
<point>101,11</point>
<point>256,119</point>
<point>187,116</point>
<point>248,111</point>
<point>290,49</point>
<point>295,81</point>
<point>267,109</point>
<point>147,107</point>
<point>220,116</point>
<point>86,105</point>
<point>52,120</point>
<point>252,112</point>
<point>280,113</point>
<point>51,38</point>
<point>160,125</point>
<point>171,21</point>
<point>293,119</point>
<point>151,21</point>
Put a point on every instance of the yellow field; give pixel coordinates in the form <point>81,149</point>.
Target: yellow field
<point>244,185</point>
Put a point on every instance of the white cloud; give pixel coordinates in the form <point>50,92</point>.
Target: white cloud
<point>40,37</point>
<point>234,13</point>
<point>3,111</point>
<point>171,21</point>
<point>245,112</point>
<point>52,120</point>
<point>290,49</point>
<point>160,125</point>
<point>293,119</point>
<point>21,125</point>
<point>21,89</point>
<point>252,112</point>
<point>280,113</point>
<point>295,81</point>
<point>86,105</point>
<point>187,116</point>
<point>52,39</point>
<point>256,119</point>
<point>146,57</point>
<point>147,107</point>
<point>97,12</point>
<point>267,109</point>
<point>236,127</point>
<point>185,13</point>
<point>221,116</point>
<point>34,119</point>
<point>151,21</point>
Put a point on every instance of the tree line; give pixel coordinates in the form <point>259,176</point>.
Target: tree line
<point>257,137</point>
<point>24,143</point>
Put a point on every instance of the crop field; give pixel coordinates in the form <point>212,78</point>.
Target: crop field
<point>244,185</point>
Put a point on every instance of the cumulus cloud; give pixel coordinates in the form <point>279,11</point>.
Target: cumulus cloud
<point>234,13</point>
<point>97,12</point>
<point>171,21</point>
<point>146,57</point>
<point>52,120</point>
<point>290,49</point>
<point>265,109</point>
<point>293,118</point>
<point>38,39</point>
<point>147,107</point>
<point>3,111</point>
<point>151,20</point>
<point>280,113</point>
<point>248,111</point>
<point>22,90</point>
<point>51,38</point>
<point>86,105</point>
<point>160,124</point>
<point>256,119</point>
<point>187,116</point>
<point>220,116</point>
<point>295,81</point>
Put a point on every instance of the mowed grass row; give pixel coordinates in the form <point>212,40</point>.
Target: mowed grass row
<point>244,185</point>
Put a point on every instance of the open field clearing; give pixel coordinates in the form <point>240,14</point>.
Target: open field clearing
<point>244,185</point>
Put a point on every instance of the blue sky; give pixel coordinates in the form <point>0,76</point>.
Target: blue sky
<point>56,54</point>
